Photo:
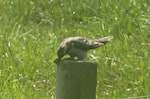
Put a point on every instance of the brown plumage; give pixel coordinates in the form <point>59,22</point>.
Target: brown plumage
<point>79,46</point>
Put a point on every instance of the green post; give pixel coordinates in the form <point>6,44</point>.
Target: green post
<point>76,80</point>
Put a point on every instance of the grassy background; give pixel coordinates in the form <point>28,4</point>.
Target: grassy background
<point>31,32</point>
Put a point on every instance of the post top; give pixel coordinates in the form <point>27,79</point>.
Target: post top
<point>64,61</point>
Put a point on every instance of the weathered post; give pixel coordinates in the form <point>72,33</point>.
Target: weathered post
<point>76,80</point>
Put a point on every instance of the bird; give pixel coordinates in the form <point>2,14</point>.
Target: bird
<point>77,47</point>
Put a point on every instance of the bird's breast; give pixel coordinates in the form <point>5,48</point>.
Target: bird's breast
<point>77,52</point>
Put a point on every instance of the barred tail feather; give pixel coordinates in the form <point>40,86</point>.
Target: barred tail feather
<point>104,40</point>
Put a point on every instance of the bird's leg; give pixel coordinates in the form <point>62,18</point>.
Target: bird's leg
<point>82,55</point>
<point>69,58</point>
<point>80,58</point>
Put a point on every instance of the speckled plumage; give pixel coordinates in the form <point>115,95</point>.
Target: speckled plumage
<point>79,46</point>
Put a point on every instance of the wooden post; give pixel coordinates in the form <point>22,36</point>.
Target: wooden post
<point>76,80</point>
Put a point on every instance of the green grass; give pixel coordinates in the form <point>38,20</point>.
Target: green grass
<point>31,32</point>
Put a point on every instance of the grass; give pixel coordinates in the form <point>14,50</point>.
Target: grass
<point>31,32</point>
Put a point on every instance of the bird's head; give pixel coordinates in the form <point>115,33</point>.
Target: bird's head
<point>61,52</point>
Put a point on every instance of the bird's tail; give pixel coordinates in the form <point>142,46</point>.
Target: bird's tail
<point>104,40</point>
<point>92,44</point>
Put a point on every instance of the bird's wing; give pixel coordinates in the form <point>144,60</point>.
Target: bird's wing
<point>85,44</point>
